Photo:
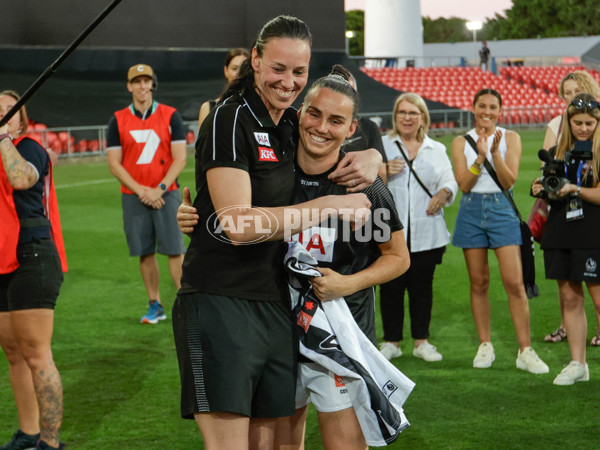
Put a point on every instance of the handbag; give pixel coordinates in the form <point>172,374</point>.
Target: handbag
<point>537,219</point>
<point>527,246</point>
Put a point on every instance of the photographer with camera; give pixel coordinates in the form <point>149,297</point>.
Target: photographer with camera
<point>572,84</point>
<point>571,244</point>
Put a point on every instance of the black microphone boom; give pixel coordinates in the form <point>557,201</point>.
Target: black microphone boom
<point>52,68</point>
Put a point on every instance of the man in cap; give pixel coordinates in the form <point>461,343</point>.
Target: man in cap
<point>146,151</point>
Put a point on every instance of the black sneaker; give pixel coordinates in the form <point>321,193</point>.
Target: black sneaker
<point>41,445</point>
<point>21,441</point>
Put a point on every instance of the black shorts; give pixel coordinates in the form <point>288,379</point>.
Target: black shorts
<point>573,264</point>
<point>236,356</point>
<point>36,282</point>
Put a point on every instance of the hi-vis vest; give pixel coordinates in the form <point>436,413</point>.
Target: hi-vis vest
<point>11,226</point>
<point>146,145</point>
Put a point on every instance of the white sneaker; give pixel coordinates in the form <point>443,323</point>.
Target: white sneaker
<point>529,360</point>
<point>427,352</point>
<point>575,371</point>
<point>485,356</point>
<point>389,350</point>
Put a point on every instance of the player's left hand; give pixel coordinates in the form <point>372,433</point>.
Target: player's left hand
<point>357,170</point>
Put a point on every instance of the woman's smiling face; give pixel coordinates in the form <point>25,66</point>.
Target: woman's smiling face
<point>281,73</point>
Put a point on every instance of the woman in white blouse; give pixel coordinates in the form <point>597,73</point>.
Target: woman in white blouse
<point>413,156</point>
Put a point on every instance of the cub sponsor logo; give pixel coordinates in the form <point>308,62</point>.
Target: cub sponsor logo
<point>266,154</point>
<point>339,381</point>
<point>262,139</point>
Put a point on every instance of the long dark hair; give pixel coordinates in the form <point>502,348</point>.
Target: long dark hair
<point>280,27</point>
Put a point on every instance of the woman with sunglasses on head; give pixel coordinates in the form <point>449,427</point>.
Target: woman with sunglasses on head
<point>486,220</point>
<point>571,85</point>
<point>233,61</point>
<point>571,242</point>
<point>421,212</point>
<point>232,321</point>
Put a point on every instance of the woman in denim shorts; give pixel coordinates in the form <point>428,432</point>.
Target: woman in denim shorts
<point>30,280</point>
<point>486,220</point>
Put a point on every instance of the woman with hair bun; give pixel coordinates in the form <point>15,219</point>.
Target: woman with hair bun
<point>231,320</point>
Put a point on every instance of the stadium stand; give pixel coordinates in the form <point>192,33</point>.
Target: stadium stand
<point>529,94</point>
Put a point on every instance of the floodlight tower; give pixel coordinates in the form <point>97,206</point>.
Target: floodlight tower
<point>474,26</point>
<point>394,28</point>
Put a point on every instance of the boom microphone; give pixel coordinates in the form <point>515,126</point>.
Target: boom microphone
<point>52,68</point>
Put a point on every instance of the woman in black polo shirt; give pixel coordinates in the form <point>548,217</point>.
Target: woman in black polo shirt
<point>232,321</point>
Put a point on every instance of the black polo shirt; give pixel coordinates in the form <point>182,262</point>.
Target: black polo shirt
<point>240,134</point>
<point>335,246</point>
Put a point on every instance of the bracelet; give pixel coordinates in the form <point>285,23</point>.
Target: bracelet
<point>4,136</point>
<point>477,165</point>
<point>578,191</point>
<point>474,170</point>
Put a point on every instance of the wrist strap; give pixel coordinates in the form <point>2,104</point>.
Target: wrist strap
<point>488,166</point>
<point>410,167</point>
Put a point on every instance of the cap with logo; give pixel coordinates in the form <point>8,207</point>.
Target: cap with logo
<point>138,70</point>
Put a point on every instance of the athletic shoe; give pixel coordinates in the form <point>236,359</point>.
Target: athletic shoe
<point>41,445</point>
<point>21,441</point>
<point>575,371</point>
<point>155,313</point>
<point>529,360</point>
<point>427,352</point>
<point>389,350</point>
<point>485,356</point>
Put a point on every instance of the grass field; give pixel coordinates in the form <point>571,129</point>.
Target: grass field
<point>121,385</point>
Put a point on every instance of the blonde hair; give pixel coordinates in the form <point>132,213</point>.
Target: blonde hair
<point>22,111</point>
<point>567,140</point>
<point>417,100</point>
<point>584,80</point>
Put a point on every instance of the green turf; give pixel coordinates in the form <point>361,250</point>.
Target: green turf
<point>121,381</point>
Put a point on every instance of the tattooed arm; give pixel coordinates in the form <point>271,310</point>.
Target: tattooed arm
<point>20,173</point>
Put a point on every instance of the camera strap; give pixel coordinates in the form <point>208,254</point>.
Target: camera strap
<point>488,166</point>
<point>409,164</point>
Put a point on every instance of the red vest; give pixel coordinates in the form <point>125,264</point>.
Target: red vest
<point>11,226</point>
<point>146,145</point>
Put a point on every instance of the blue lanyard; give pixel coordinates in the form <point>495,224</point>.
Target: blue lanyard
<point>579,171</point>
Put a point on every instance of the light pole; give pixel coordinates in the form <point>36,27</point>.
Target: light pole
<point>349,35</point>
<point>474,25</point>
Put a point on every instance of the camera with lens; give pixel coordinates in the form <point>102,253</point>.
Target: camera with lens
<point>553,173</point>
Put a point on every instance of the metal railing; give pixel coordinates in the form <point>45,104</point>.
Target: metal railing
<point>81,141</point>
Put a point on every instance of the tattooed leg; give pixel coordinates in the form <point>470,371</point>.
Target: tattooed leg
<point>48,389</point>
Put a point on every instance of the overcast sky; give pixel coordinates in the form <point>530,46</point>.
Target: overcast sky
<point>465,9</point>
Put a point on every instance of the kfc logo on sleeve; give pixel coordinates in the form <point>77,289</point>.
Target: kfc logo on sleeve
<point>266,154</point>
<point>262,139</point>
